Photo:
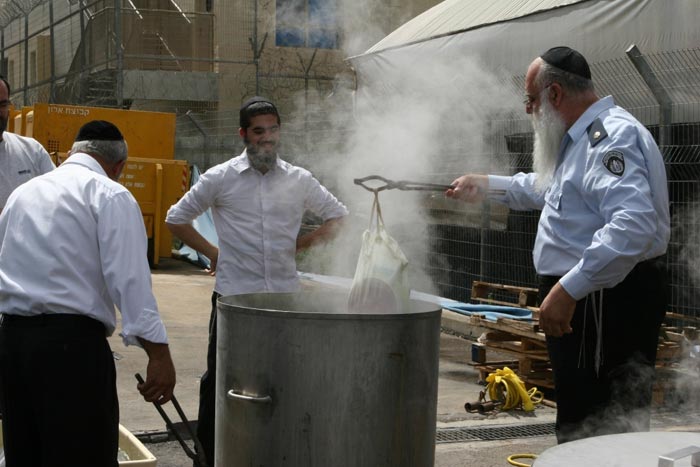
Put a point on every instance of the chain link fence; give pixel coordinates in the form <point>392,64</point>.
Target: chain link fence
<point>83,52</point>
<point>499,249</point>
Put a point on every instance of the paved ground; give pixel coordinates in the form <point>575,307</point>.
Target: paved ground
<point>183,292</point>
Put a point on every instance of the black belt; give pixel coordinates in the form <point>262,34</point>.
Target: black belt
<point>659,261</point>
<point>52,320</point>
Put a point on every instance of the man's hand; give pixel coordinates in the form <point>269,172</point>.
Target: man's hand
<point>556,312</point>
<point>160,373</point>
<point>213,256</point>
<point>189,235</point>
<point>324,233</point>
<point>471,188</point>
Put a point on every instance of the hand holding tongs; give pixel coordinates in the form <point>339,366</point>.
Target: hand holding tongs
<point>198,456</point>
<point>399,185</point>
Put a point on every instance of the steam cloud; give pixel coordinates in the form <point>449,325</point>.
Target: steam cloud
<point>415,119</point>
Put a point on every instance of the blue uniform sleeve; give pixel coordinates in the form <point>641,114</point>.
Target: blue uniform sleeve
<point>616,183</point>
<point>519,191</point>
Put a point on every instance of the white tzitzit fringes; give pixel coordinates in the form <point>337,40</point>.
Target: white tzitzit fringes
<point>582,346</point>
<point>598,315</point>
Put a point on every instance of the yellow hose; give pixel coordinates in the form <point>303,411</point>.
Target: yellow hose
<point>506,387</point>
<point>511,459</point>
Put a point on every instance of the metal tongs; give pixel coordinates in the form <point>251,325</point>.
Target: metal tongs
<point>404,185</point>
<point>198,456</point>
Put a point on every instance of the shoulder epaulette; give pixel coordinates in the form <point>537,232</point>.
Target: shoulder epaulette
<point>596,132</point>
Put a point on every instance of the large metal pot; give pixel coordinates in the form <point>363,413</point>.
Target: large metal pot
<point>645,449</point>
<point>302,382</point>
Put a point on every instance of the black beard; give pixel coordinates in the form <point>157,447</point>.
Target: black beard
<point>262,161</point>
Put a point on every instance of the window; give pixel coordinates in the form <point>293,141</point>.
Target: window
<point>307,23</point>
<point>10,76</point>
<point>32,67</point>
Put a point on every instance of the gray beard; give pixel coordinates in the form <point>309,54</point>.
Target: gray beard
<point>549,130</point>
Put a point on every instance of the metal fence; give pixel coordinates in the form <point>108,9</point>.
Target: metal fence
<point>499,250</point>
<point>494,244</point>
<point>465,244</point>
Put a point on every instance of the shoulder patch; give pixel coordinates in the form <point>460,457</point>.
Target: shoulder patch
<point>614,161</point>
<point>596,132</point>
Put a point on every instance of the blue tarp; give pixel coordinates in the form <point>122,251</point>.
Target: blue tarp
<point>490,312</point>
<point>204,224</point>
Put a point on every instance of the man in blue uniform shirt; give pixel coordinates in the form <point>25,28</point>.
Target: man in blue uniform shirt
<point>600,182</point>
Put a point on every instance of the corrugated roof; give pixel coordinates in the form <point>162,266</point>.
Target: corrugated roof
<point>454,16</point>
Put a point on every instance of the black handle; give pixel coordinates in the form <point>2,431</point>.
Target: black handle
<point>197,457</point>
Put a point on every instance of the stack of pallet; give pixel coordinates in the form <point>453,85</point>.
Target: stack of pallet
<point>509,295</point>
<point>674,346</point>
<point>520,345</point>
<point>519,342</point>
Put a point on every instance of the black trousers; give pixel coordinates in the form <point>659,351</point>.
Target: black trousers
<point>58,392</point>
<point>207,391</point>
<point>617,397</point>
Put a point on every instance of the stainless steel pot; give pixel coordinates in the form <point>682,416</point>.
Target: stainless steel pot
<point>302,382</point>
<point>646,449</point>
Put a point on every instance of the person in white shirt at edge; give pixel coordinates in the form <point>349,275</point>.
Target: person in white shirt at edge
<point>72,246</point>
<point>257,202</point>
<point>21,158</point>
<point>600,181</point>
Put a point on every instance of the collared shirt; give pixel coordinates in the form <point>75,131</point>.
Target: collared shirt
<point>21,159</point>
<point>607,208</point>
<point>73,241</point>
<point>257,219</point>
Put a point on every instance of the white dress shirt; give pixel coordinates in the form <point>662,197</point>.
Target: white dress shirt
<point>73,241</point>
<point>21,159</point>
<point>257,219</point>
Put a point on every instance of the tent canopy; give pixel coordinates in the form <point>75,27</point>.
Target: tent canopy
<point>463,44</point>
<point>455,16</point>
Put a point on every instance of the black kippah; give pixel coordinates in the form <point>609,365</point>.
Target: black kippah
<point>251,101</point>
<point>567,59</point>
<point>99,130</point>
<point>255,100</point>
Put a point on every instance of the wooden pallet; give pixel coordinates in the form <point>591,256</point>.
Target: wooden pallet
<point>520,296</point>
<point>519,340</point>
<point>525,347</point>
<point>672,342</point>
<point>517,327</point>
<point>522,342</point>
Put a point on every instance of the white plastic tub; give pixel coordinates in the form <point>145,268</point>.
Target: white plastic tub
<point>138,454</point>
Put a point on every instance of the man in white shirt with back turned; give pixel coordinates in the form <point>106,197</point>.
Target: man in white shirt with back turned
<point>72,246</point>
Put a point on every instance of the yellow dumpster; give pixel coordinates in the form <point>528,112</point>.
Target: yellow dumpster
<point>156,180</point>
<point>156,184</point>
